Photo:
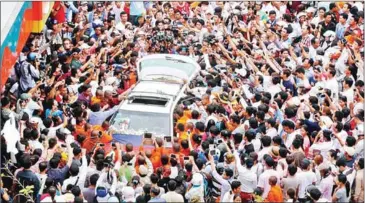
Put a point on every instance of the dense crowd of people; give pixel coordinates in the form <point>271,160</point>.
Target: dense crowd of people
<point>275,115</point>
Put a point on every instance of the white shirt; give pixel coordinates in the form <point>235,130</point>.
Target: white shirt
<point>262,152</point>
<point>274,89</point>
<point>326,186</point>
<point>349,93</point>
<point>336,142</point>
<point>289,139</point>
<point>35,144</point>
<point>357,107</point>
<point>264,181</point>
<point>332,84</point>
<point>172,196</point>
<point>305,178</point>
<point>271,132</point>
<point>324,147</point>
<point>80,178</point>
<point>247,177</point>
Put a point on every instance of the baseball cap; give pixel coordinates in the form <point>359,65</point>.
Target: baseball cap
<point>33,120</point>
<point>143,170</point>
<point>310,10</point>
<point>329,33</point>
<point>323,166</point>
<point>32,56</point>
<point>349,150</point>
<point>314,193</point>
<point>128,194</point>
<point>25,49</point>
<point>76,50</point>
<point>101,191</point>
<point>24,96</point>
<point>197,179</point>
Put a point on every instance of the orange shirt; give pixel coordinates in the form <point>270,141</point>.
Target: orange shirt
<point>105,138</point>
<point>89,143</point>
<point>275,194</point>
<point>132,78</point>
<point>95,100</point>
<point>231,126</point>
<point>156,157</point>
<point>80,130</point>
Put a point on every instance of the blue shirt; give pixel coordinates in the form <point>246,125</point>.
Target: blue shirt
<point>27,178</point>
<point>56,113</point>
<point>340,30</point>
<point>97,118</point>
<point>58,174</point>
<point>136,8</point>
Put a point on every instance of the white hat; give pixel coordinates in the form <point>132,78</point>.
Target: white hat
<point>128,194</point>
<point>110,80</point>
<point>197,179</point>
<point>33,120</point>
<point>282,23</point>
<point>310,10</point>
<point>323,166</point>
<point>84,46</point>
<point>329,33</point>
<point>301,14</point>
<point>209,11</point>
<point>113,199</point>
<point>143,170</point>
<point>349,150</point>
<point>326,121</point>
<point>241,71</point>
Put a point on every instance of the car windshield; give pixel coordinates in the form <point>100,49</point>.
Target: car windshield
<point>188,68</point>
<point>137,123</point>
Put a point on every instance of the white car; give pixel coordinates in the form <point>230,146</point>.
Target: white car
<point>149,108</point>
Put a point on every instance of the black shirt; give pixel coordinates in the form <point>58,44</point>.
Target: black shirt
<point>329,26</point>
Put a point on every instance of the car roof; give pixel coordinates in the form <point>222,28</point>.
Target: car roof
<point>152,89</point>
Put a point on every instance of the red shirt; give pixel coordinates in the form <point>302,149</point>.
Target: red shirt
<point>60,15</point>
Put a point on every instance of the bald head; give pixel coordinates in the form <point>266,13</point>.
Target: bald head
<point>99,93</point>
<point>273,180</point>
<point>129,147</point>
<point>176,147</point>
<point>318,159</point>
<point>94,133</point>
<point>141,160</point>
<point>108,93</point>
<point>148,153</point>
<point>190,126</point>
<point>159,141</point>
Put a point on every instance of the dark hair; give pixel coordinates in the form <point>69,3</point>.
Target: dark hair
<point>343,179</point>
<point>235,184</point>
<point>361,163</point>
<point>26,162</point>
<point>94,178</point>
<point>171,185</point>
<point>344,15</point>
<point>266,141</point>
<point>292,169</point>
<point>349,82</point>
<point>350,141</point>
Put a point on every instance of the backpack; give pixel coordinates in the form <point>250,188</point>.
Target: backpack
<point>17,69</point>
<point>208,185</point>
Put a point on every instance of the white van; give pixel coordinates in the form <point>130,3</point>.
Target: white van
<point>149,108</point>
